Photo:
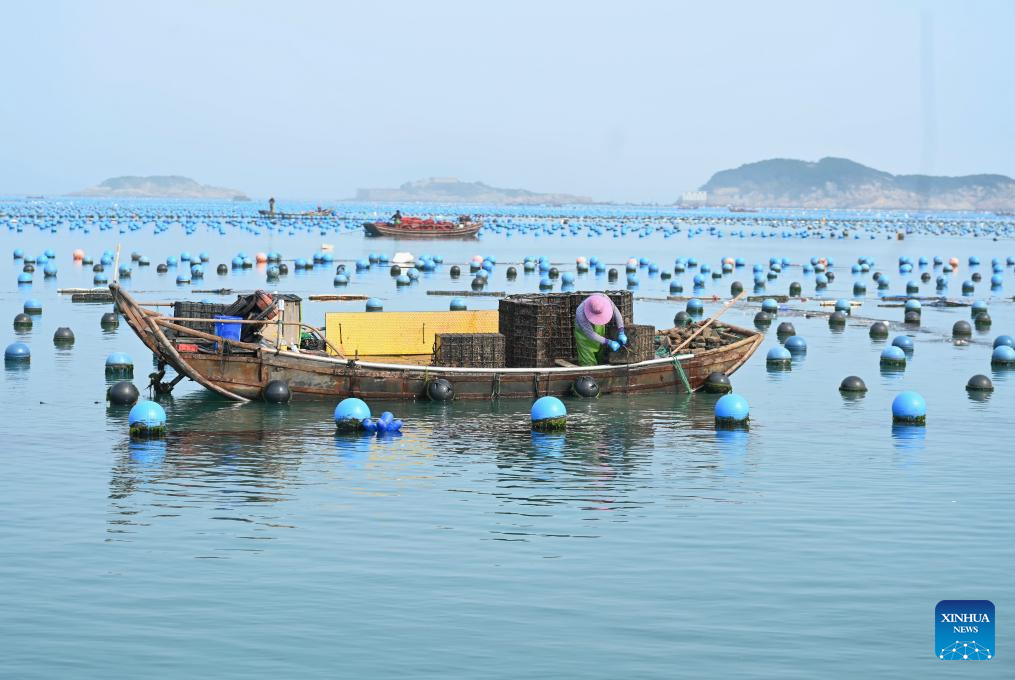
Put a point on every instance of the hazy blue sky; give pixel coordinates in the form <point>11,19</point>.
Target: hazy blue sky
<point>616,100</point>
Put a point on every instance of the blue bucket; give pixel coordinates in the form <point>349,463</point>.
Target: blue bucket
<point>229,331</point>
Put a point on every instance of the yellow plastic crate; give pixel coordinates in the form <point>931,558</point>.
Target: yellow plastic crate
<point>401,333</point>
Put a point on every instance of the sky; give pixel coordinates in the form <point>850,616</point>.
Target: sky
<point>621,101</point>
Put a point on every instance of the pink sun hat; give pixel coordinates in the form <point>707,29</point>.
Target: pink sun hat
<point>598,309</point>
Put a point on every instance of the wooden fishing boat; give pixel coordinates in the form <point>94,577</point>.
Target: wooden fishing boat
<point>410,227</point>
<point>240,370</point>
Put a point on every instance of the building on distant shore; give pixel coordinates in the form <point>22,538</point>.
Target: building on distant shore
<point>693,198</point>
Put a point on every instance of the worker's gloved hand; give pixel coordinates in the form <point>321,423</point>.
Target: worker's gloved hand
<point>622,338</point>
<point>613,345</point>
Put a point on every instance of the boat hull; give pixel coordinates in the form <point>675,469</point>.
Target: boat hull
<point>338,378</point>
<point>462,230</point>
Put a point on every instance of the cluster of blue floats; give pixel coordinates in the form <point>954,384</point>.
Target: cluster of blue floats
<point>919,272</point>
<point>227,219</point>
<point>353,415</point>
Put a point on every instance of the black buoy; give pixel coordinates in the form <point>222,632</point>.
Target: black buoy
<point>925,277</point>
<point>718,382</point>
<point>977,277</point>
<point>440,390</point>
<point>22,321</point>
<point>837,319</point>
<point>122,393</point>
<point>980,383</point>
<point>879,330</point>
<point>63,336</point>
<point>681,319</point>
<point>29,267</point>
<point>276,392</point>
<point>553,273</point>
<point>109,320</point>
<point>961,329</point>
<point>478,283</point>
<point>455,271</point>
<point>982,321</point>
<point>586,387</point>
<point>98,268</point>
<point>340,269</point>
<point>222,270</point>
<point>852,383</point>
<point>794,289</point>
<point>162,268</point>
<point>785,329</point>
<point>394,271</point>
<point>283,269</point>
<point>912,318</point>
<point>512,273</point>
<point>611,275</point>
<point>762,319</point>
<point>830,276</point>
<point>736,288</point>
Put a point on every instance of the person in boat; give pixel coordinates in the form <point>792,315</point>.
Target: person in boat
<point>271,205</point>
<point>590,321</point>
<point>397,217</point>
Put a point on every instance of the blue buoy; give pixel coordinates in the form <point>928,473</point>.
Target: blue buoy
<point>778,357</point>
<point>770,306</point>
<point>402,280</point>
<point>893,356</point>
<point>24,278</point>
<point>119,363</point>
<point>147,419</point>
<point>17,352</point>
<point>903,342</point>
<point>32,306</point>
<point>1004,340</point>
<point>796,344</point>
<point>977,307</point>
<point>374,305</point>
<point>350,413</point>
<point>548,414</point>
<point>1003,355</point>
<point>458,304</point>
<point>694,306</point>
<point>341,280</point>
<point>909,408</point>
<point>731,411</point>
<point>842,305</point>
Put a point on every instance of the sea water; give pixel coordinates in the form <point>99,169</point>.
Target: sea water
<point>253,542</point>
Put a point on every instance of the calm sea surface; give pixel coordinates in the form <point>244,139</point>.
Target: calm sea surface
<point>254,543</point>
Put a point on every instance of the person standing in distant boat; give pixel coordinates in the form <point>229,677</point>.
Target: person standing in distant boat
<point>397,217</point>
<point>590,321</point>
<point>271,205</point>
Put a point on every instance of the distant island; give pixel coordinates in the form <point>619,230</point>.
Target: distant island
<point>451,190</point>
<point>158,186</point>
<point>842,183</point>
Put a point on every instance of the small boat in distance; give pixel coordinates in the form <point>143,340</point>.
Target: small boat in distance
<point>270,212</point>
<point>415,227</point>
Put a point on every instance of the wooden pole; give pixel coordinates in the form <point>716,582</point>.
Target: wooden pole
<point>708,323</point>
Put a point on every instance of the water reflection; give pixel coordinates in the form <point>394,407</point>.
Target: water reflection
<point>909,438</point>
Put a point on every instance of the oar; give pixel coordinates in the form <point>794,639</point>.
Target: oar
<point>708,323</point>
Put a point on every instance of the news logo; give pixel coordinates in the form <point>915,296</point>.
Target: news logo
<point>964,630</point>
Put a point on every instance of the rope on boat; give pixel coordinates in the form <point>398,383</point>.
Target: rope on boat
<point>683,376</point>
